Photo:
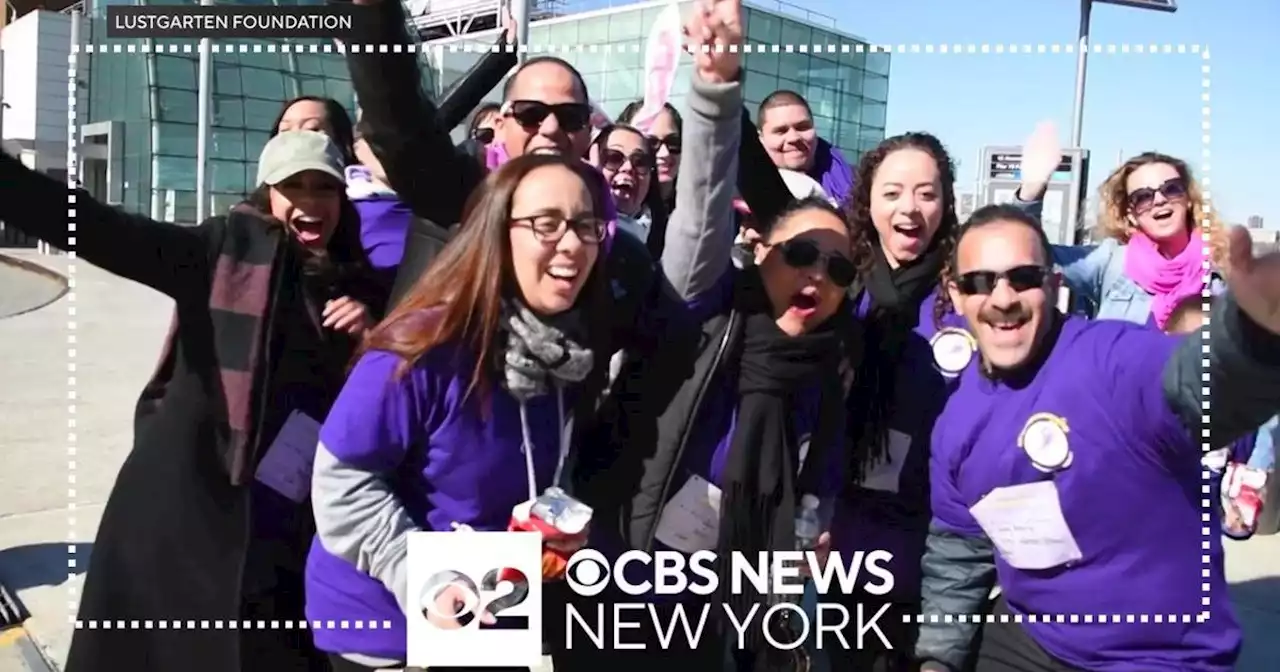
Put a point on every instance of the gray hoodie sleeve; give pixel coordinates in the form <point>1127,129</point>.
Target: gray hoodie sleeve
<point>360,519</point>
<point>700,231</point>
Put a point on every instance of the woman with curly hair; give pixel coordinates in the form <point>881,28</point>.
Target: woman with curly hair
<point>1154,221</point>
<point>904,226</point>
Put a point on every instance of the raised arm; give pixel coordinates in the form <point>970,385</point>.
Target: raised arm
<point>1243,374</point>
<point>700,230</point>
<point>402,125</point>
<point>166,257</point>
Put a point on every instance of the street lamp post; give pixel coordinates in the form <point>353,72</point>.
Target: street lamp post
<point>202,129</point>
<point>1082,56</point>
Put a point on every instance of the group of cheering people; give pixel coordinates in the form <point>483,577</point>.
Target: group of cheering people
<point>606,309</point>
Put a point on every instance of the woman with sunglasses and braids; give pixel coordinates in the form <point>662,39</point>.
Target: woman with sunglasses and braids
<point>903,217</point>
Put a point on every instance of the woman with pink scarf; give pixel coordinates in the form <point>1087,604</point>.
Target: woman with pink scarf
<point>1151,262</point>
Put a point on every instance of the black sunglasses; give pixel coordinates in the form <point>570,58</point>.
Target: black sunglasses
<point>1143,199</point>
<point>672,143</point>
<point>805,254</point>
<point>614,159</point>
<point>483,136</point>
<point>551,228</point>
<point>1021,279</point>
<point>572,117</point>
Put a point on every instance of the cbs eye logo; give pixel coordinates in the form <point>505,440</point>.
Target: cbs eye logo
<point>452,600</point>
<point>587,572</point>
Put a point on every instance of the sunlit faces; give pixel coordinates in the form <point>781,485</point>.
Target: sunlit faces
<point>789,136</point>
<point>1005,290</point>
<point>804,297</point>
<point>906,204</point>
<point>666,141</point>
<point>1157,204</point>
<point>310,204</point>
<point>552,202</point>
<point>305,115</point>
<point>626,162</point>
<point>546,112</point>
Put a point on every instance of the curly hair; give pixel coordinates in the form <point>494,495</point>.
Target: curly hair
<point>863,230</point>
<point>1113,201</point>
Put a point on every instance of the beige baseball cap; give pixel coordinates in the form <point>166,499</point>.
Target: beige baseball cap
<point>293,152</point>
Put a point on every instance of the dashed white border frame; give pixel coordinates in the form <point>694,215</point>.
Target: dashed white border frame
<point>957,48</point>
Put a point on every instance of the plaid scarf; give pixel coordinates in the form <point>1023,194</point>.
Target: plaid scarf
<point>239,301</point>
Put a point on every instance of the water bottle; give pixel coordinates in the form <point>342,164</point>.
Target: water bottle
<point>808,523</point>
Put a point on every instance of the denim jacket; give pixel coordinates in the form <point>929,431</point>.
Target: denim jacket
<point>1095,275</point>
<point>1099,288</point>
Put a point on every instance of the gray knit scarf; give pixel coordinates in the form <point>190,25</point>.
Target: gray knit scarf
<point>539,350</point>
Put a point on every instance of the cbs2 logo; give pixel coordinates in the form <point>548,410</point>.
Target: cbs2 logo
<point>453,598</point>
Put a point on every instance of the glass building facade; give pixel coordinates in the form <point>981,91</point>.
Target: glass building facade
<point>150,100</point>
<point>847,91</point>
<point>144,104</point>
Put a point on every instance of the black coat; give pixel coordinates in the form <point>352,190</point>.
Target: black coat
<point>175,536</point>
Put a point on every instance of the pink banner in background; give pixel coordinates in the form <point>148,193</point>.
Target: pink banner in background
<point>661,58</point>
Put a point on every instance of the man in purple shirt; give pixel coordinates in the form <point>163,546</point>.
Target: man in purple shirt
<point>1083,501</point>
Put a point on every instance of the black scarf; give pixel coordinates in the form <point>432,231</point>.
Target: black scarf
<point>760,483</point>
<point>896,295</point>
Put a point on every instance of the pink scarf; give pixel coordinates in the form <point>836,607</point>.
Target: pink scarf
<point>1168,281</point>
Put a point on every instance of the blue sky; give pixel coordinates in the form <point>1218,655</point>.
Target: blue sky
<point>1133,102</point>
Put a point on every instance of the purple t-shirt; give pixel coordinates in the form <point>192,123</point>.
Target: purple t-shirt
<point>447,465</point>
<point>1131,496</point>
<point>889,509</point>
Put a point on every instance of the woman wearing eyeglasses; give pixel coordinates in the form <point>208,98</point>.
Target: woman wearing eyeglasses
<point>462,403</point>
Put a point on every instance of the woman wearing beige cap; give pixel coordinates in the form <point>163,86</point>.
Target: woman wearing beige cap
<point>210,517</point>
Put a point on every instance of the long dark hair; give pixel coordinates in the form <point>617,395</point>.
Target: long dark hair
<point>865,238</point>
<point>459,297</point>
<point>343,134</point>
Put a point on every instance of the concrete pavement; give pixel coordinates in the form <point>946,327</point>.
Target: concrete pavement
<point>119,327</point>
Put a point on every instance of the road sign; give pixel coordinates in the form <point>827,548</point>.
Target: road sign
<point>1156,5</point>
<point>1064,195</point>
<point>1008,166</point>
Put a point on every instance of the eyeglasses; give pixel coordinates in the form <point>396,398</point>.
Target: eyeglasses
<point>551,228</point>
<point>614,159</point>
<point>1143,199</point>
<point>672,143</point>
<point>1021,279</point>
<point>483,136</point>
<point>806,254</point>
<point>530,114</point>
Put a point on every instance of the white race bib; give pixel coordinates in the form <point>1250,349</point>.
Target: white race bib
<point>1026,524</point>
<point>691,520</point>
<point>887,474</point>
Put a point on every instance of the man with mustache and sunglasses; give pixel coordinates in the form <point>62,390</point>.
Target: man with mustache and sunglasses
<point>1066,468</point>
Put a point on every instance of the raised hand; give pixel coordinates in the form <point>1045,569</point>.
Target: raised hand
<point>714,36</point>
<point>1041,154</point>
<point>1254,281</point>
